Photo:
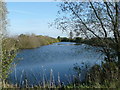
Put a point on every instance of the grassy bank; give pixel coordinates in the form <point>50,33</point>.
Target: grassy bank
<point>28,41</point>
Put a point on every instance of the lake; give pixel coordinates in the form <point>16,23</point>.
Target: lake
<point>54,63</point>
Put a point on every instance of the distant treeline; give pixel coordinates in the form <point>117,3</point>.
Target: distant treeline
<point>65,39</point>
<point>91,41</point>
<point>28,41</point>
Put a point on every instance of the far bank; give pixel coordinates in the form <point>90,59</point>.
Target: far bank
<point>28,41</point>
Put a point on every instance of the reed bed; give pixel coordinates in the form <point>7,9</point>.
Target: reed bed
<point>72,80</point>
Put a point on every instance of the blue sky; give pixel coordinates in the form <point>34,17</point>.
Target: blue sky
<point>33,17</point>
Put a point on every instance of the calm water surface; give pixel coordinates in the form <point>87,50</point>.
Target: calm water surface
<point>53,61</point>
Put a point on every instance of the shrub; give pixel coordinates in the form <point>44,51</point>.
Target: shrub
<point>8,55</point>
<point>105,75</point>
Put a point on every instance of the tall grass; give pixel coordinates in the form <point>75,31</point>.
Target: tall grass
<point>95,78</point>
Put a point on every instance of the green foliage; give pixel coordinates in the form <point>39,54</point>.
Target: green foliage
<point>8,55</point>
<point>7,50</point>
<point>105,75</point>
<point>75,39</point>
<point>97,42</point>
<point>78,40</point>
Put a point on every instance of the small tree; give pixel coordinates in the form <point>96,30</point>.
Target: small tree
<point>6,55</point>
<point>59,38</point>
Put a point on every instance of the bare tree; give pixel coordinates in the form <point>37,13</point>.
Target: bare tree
<point>93,19</point>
